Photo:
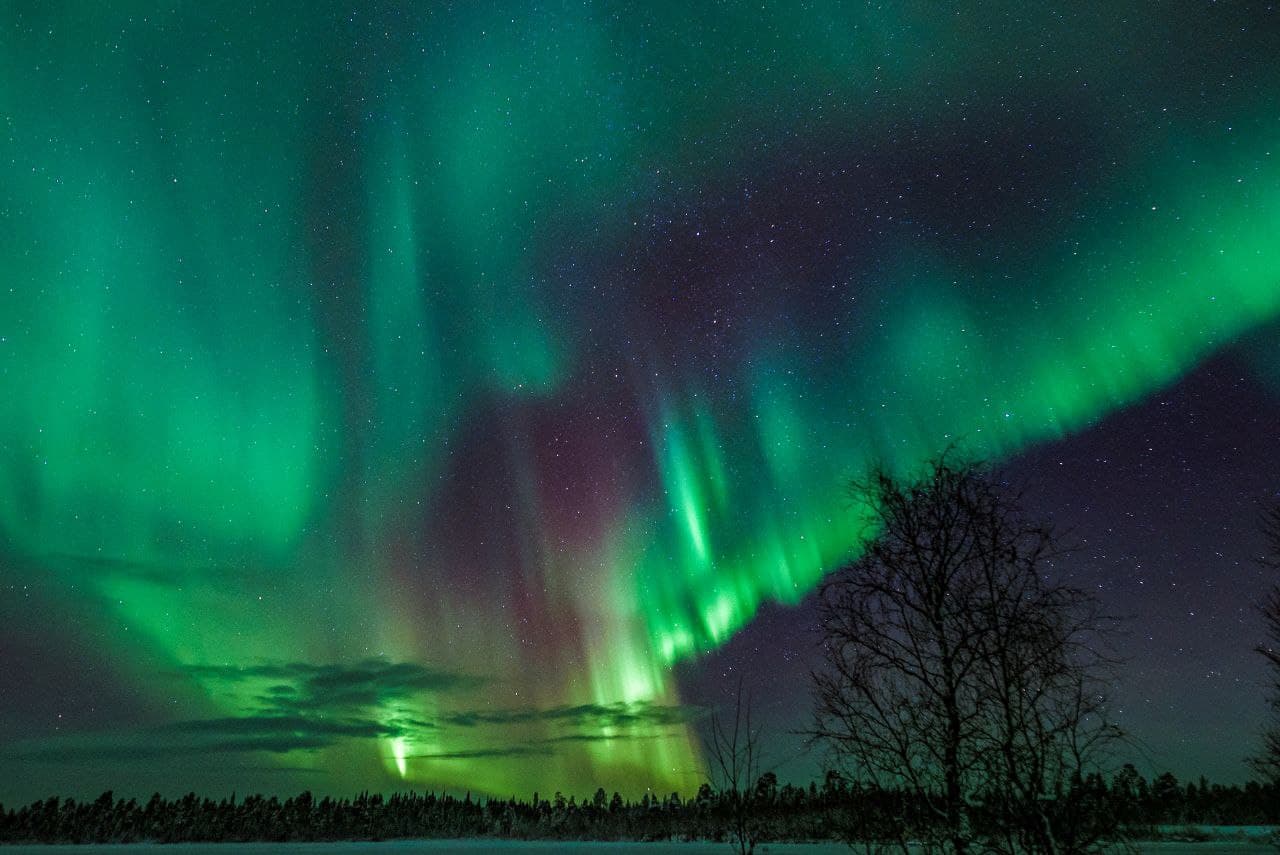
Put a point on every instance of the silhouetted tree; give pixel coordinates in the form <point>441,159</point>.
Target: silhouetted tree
<point>1267,761</point>
<point>1166,799</point>
<point>955,670</point>
<point>734,751</point>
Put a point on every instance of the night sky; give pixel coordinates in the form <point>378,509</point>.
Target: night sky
<point>404,394</point>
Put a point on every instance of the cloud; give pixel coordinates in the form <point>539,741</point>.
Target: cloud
<point>300,707</point>
<point>274,734</point>
<point>314,705</point>
<point>301,688</point>
<point>538,747</point>
<point>487,753</point>
<point>117,752</point>
<point>289,726</point>
<point>293,706</point>
<point>136,747</point>
<point>593,716</point>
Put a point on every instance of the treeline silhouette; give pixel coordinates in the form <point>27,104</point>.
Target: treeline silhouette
<point>787,813</point>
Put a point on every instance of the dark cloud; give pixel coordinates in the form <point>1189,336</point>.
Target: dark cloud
<point>537,749</point>
<point>595,716</point>
<point>275,734</point>
<point>271,735</point>
<point>301,688</point>
<point>305,707</point>
<point>136,748</point>
<point>282,733</point>
<point>291,726</point>
<point>299,707</point>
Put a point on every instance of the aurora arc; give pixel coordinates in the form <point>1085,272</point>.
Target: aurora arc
<point>538,346</point>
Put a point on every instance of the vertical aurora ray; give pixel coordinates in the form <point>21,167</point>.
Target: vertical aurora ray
<point>534,349</point>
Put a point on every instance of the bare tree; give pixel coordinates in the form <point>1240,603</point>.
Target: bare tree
<point>734,750</point>
<point>1267,762</point>
<point>955,670</point>
<point>1043,728</point>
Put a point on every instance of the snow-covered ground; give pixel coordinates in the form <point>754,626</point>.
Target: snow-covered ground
<point>1245,845</point>
<point>1218,832</point>
<point>431,847</point>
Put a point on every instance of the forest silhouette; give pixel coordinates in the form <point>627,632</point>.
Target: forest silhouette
<point>833,810</point>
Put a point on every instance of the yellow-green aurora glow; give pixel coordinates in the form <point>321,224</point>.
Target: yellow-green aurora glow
<point>399,394</point>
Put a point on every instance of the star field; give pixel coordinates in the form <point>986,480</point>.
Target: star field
<point>425,395</point>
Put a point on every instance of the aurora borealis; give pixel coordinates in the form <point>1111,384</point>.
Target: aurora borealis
<point>405,394</point>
